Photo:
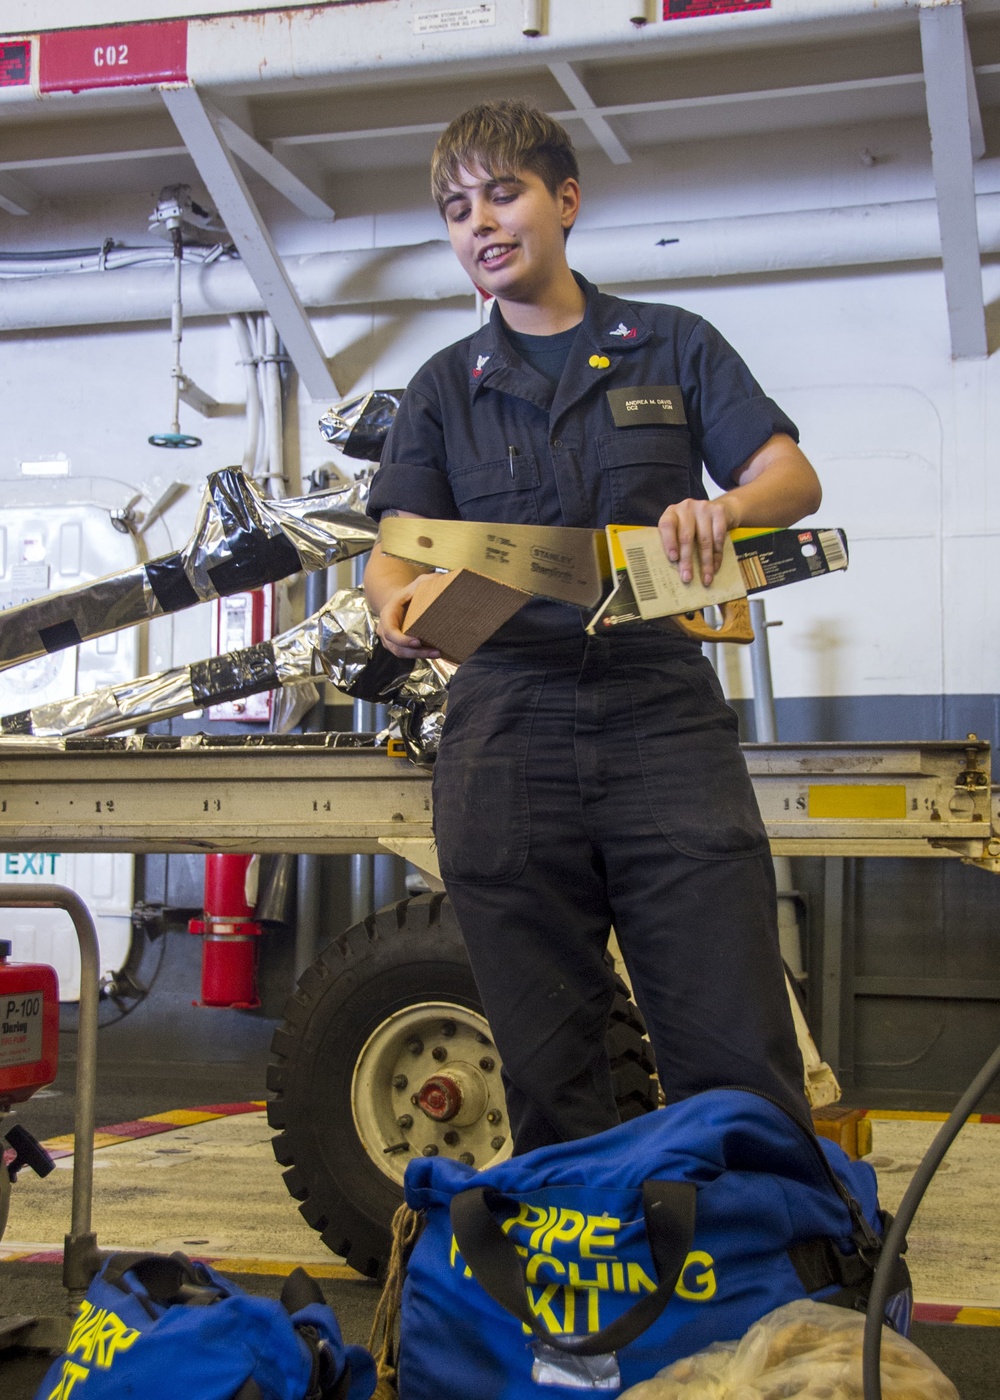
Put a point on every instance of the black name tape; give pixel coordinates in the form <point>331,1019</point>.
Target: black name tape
<point>647,403</point>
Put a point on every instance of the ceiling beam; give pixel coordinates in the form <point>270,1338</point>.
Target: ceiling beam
<point>586,110</point>
<point>15,197</point>
<point>228,190</point>
<point>629,109</point>
<point>947,74</point>
<point>306,199</point>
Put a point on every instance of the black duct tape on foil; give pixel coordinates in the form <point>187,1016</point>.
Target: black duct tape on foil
<point>17,724</point>
<point>255,561</point>
<point>171,586</point>
<point>378,676</point>
<point>367,437</point>
<point>60,635</point>
<point>231,677</point>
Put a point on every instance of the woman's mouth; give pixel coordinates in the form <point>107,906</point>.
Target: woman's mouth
<point>495,255</point>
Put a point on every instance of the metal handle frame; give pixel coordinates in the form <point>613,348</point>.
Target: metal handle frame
<point>81,1258</point>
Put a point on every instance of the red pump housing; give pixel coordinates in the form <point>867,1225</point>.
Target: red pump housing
<point>29,1028</point>
<point>229,934</point>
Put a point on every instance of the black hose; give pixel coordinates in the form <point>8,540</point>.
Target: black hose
<point>896,1236</point>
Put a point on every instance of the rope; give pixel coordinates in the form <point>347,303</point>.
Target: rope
<point>406,1226</point>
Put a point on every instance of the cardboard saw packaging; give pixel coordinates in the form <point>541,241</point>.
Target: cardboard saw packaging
<point>620,575</point>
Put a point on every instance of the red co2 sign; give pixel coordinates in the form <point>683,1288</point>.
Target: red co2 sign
<point>123,55</point>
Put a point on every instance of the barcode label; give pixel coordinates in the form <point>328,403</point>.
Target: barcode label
<point>753,573</point>
<point>833,549</point>
<point>642,579</point>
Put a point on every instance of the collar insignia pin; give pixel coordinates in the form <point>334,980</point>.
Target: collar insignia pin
<point>623,331</point>
<point>480,362</point>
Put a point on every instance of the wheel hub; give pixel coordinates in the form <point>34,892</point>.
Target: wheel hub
<point>427,1083</point>
<point>458,1096</point>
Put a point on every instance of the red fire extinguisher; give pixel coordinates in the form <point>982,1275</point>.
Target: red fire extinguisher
<point>229,935</point>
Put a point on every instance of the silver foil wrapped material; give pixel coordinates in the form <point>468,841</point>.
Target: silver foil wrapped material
<point>360,425</point>
<point>417,708</point>
<point>338,643</point>
<point>241,541</point>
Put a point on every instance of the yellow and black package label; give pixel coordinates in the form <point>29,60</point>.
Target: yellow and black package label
<point>772,558</point>
<point>582,1270</point>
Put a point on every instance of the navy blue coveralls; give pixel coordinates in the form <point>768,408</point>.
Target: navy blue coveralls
<point>584,782</point>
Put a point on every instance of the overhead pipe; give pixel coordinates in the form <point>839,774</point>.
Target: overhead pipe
<point>666,251</point>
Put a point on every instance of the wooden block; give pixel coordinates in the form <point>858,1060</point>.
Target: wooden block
<point>848,1127</point>
<point>457,611</point>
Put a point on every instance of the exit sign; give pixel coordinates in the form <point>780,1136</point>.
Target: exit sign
<point>121,55</point>
<point>692,9</point>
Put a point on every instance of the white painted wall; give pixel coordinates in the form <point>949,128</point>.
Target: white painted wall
<point>905,440</point>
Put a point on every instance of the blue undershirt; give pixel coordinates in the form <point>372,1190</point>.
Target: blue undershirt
<point>545,353</point>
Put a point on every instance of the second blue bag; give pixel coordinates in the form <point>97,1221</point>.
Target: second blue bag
<point>594,1264</point>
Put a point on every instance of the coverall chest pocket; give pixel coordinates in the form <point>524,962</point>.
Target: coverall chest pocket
<point>646,470</point>
<point>492,491</point>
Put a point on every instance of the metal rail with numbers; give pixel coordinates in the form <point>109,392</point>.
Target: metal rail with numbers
<point>338,794</point>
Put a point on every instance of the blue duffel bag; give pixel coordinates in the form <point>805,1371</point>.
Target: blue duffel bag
<point>163,1327</point>
<point>594,1264</point>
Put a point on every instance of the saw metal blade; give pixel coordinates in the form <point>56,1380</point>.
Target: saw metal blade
<point>551,561</point>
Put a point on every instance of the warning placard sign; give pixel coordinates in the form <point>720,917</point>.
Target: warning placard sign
<point>693,9</point>
<point>15,62</point>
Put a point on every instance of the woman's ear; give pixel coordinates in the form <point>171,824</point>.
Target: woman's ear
<point>568,195</point>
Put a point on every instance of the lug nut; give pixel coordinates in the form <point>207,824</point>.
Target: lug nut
<point>494,1116</point>
<point>451,1137</point>
<point>439,1053</point>
<point>468,1159</point>
<point>431,1150</point>
<point>496,1143</point>
<point>414,1099</point>
<point>405,1120</point>
<point>483,1039</point>
<point>448,1028</point>
<point>487,1063</point>
<point>399,1081</point>
<point>415,1046</point>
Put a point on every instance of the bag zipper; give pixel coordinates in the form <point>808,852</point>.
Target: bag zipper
<point>869,1240</point>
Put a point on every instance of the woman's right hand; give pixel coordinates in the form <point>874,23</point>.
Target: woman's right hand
<point>390,622</point>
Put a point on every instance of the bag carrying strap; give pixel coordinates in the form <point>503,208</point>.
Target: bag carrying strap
<point>669,1210</point>
<point>166,1278</point>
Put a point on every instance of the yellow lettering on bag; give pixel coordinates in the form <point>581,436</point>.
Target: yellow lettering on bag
<point>455,1255</point>
<point>700,1287</point>
<point>548,1219</point>
<point>98,1336</point>
<point>569,1321</point>
<point>593,1286</point>
<point>542,1307</point>
<point>638,1280</point>
<point>590,1240</point>
<point>68,1377</point>
<point>600,1279</point>
<point>567,1227</point>
<point>618,1278</point>
<point>536,1262</point>
<point>526,1215</point>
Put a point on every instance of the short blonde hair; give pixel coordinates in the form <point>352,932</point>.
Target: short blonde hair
<point>503,138</point>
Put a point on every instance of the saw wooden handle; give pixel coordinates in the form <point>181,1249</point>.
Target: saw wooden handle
<point>735,625</point>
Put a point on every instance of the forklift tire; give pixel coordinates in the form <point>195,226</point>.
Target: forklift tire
<point>389,1014</point>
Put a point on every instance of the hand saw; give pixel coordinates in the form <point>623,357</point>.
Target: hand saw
<point>567,565</point>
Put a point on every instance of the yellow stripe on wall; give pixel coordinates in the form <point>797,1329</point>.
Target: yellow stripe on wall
<point>858,801</point>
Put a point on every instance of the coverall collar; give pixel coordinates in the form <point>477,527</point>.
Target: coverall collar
<point>610,328</point>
